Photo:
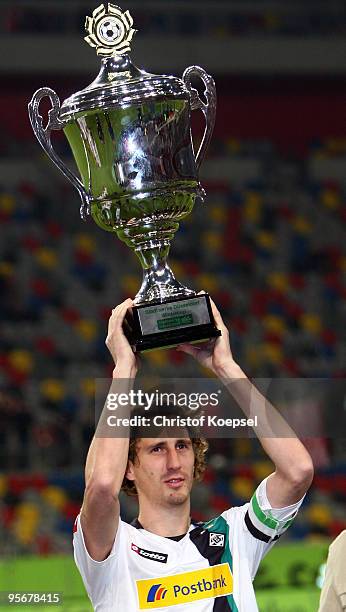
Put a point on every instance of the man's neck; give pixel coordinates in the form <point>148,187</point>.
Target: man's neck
<point>166,522</point>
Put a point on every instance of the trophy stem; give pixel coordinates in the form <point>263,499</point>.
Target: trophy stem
<point>159,283</point>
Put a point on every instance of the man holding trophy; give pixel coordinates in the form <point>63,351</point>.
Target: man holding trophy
<point>164,558</point>
<point>130,135</point>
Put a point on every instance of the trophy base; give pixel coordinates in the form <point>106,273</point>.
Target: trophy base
<point>165,325</point>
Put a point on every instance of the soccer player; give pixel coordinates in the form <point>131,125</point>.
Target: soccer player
<point>164,559</point>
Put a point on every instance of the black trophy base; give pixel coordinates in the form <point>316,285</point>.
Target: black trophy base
<point>165,325</point>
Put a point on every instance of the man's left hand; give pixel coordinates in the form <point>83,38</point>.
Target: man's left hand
<point>216,355</point>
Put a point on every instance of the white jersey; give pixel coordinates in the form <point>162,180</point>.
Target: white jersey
<point>210,569</point>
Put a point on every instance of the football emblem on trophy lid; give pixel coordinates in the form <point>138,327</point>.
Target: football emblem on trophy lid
<point>110,31</point>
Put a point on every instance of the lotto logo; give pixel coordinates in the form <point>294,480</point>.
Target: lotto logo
<point>149,554</point>
<point>216,539</point>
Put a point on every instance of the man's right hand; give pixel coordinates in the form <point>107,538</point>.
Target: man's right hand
<point>125,361</point>
<point>107,457</point>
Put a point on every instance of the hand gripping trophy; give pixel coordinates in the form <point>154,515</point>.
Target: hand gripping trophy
<point>130,134</point>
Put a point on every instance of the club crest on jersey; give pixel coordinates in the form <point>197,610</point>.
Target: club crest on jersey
<point>216,539</point>
<point>149,554</point>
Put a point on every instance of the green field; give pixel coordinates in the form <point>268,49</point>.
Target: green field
<point>286,580</point>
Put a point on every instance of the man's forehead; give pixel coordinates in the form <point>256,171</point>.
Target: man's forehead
<point>170,441</point>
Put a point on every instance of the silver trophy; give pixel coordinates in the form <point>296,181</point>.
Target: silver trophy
<point>130,134</point>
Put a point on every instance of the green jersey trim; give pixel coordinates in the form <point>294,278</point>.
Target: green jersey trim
<point>220,525</point>
<point>268,521</point>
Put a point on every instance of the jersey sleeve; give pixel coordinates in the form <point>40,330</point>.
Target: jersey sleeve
<point>256,526</point>
<point>265,523</point>
<point>95,574</point>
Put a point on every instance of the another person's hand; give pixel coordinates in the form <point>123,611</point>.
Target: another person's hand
<point>216,355</point>
<point>126,362</point>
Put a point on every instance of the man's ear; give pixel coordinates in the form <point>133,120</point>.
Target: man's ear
<point>129,474</point>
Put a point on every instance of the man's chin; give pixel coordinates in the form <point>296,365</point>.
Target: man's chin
<point>177,498</point>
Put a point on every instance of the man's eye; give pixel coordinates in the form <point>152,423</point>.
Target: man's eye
<point>182,445</point>
<point>156,449</point>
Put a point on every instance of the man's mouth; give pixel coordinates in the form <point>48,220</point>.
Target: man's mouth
<point>174,483</point>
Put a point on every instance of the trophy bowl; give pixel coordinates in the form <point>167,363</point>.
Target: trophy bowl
<point>130,135</point>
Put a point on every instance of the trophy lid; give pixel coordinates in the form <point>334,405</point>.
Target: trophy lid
<point>119,83</point>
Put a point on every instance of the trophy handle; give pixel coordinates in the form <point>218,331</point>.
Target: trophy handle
<point>208,108</point>
<point>43,135</point>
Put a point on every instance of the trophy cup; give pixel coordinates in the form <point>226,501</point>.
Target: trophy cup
<point>130,135</point>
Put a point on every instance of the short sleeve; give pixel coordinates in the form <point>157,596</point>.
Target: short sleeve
<point>255,527</point>
<point>264,522</point>
<point>95,574</point>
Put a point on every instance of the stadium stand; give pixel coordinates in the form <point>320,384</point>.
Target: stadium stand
<point>271,253</point>
<point>268,244</point>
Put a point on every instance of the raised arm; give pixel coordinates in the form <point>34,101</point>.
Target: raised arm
<point>293,465</point>
<point>107,457</point>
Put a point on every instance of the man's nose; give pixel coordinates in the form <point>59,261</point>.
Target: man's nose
<point>173,460</point>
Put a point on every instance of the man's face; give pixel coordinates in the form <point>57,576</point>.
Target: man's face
<point>163,470</point>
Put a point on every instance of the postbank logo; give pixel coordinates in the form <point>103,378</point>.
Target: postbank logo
<point>157,592</point>
<point>168,591</point>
